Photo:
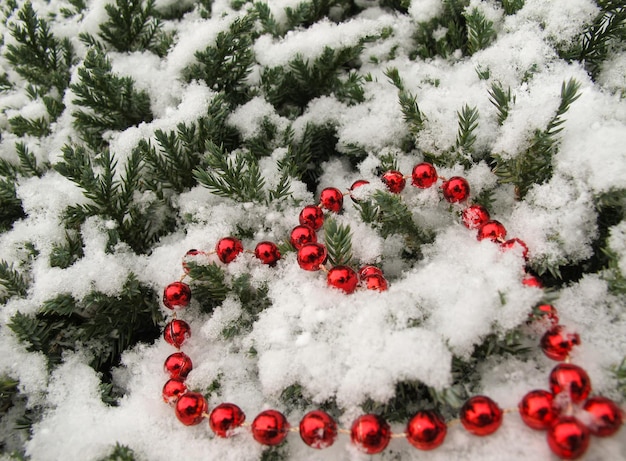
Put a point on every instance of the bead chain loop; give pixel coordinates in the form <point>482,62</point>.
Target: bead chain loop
<point>554,411</point>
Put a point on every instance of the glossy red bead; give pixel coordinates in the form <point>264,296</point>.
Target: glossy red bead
<point>228,249</point>
<point>572,379</point>
<point>492,230</point>
<point>173,389</point>
<point>474,216</point>
<point>190,408</point>
<point>270,427</point>
<point>311,256</point>
<point>178,365</point>
<point>225,418</point>
<point>267,253</point>
<point>606,416</point>
<point>176,332</point>
<point>331,198</point>
<point>455,189</point>
<point>423,175</point>
<point>342,277</point>
<point>176,295</point>
<point>537,409</point>
<point>318,429</point>
<point>548,312</point>
<point>394,180</point>
<point>190,257</point>
<point>530,280</point>
<point>368,270</point>
<point>301,235</point>
<point>375,282</point>
<point>312,216</point>
<point>513,243</point>
<point>426,430</point>
<point>557,342</point>
<point>568,438</point>
<point>480,415</point>
<point>355,185</point>
<point>370,433</point>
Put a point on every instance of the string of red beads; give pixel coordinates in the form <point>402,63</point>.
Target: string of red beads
<point>557,411</point>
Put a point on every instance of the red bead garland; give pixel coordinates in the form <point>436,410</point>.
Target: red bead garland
<point>567,436</point>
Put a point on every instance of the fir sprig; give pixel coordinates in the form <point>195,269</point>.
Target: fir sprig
<point>480,31</point>
<point>468,122</point>
<point>511,6</point>
<point>10,205</point>
<point>65,254</point>
<point>534,165</point>
<point>113,101</point>
<point>12,282</point>
<point>501,100</point>
<point>453,22</point>
<point>338,239</point>
<point>39,57</point>
<point>413,116</point>
<point>28,162</point>
<point>210,287</point>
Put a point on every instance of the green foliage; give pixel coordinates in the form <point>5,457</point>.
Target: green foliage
<point>39,56</point>
<point>607,31</point>
<point>120,453</point>
<point>12,282</point>
<point>79,7</point>
<point>408,103</point>
<point>480,31</point>
<point>305,14</point>
<point>112,196</point>
<point>225,66</point>
<point>290,88</point>
<point>620,375</point>
<point>210,287</point>
<point>113,102</point>
<point>511,6</point>
<point>402,6</point>
<point>103,324</point>
<point>66,254</point>
<point>453,21</point>
<point>534,165</point>
<point>40,126</point>
<point>10,206</point>
<point>338,240</point>
<point>132,25</point>
<point>236,176</point>
<point>8,391</point>
<point>468,122</point>
<point>501,100</point>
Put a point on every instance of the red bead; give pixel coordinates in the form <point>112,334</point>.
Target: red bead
<point>515,242</point>
<point>480,415</point>
<point>270,427</point>
<point>173,389</point>
<point>176,295</point>
<point>606,416</point>
<point>301,235</point>
<point>176,332</point>
<point>474,216</point>
<point>426,430</point>
<point>178,365</point>
<point>331,198</point>
<point>355,185</point>
<point>557,342</point>
<point>267,252</point>
<point>491,230</point>
<point>568,438</point>
<point>225,418</point>
<point>548,312</point>
<point>423,175</point>
<point>190,256</point>
<point>370,434</point>
<point>375,282</point>
<point>318,429</point>
<point>570,378</point>
<point>530,280</point>
<point>311,256</point>
<point>455,189</point>
<point>366,271</point>
<point>342,277</point>
<point>312,216</point>
<point>394,180</point>
<point>228,249</point>
<point>537,409</point>
<point>191,408</point>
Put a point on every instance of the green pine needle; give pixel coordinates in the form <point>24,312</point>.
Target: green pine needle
<point>501,100</point>
<point>12,282</point>
<point>480,31</point>
<point>338,239</point>
<point>468,122</point>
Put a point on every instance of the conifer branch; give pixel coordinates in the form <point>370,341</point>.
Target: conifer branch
<point>210,287</point>
<point>10,205</point>
<point>12,282</point>
<point>468,122</point>
<point>408,103</point>
<point>453,21</point>
<point>511,6</point>
<point>501,100</point>
<point>66,254</point>
<point>338,239</point>
<point>480,31</point>
<point>28,162</point>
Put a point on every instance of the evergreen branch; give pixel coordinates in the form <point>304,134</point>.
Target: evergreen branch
<point>268,21</point>
<point>534,165</point>
<point>12,282</point>
<point>113,100</point>
<point>619,372</point>
<point>282,189</point>
<point>41,335</point>
<point>480,31</point>
<point>453,21</point>
<point>468,122</point>
<point>501,100</point>
<point>5,83</point>
<point>338,240</point>
<point>63,305</point>
<point>38,127</point>
<point>120,453</point>
<point>210,287</point>
<point>225,66</point>
<point>307,13</point>
<point>10,205</point>
<point>39,56</point>
<point>64,255</point>
<point>28,162</point>
<point>238,178</point>
<point>408,103</point>
<point>512,6</point>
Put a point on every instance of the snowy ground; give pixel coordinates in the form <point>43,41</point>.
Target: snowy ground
<point>347,347</point>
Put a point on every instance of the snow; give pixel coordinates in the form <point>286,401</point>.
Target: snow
<point>336,347</point>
